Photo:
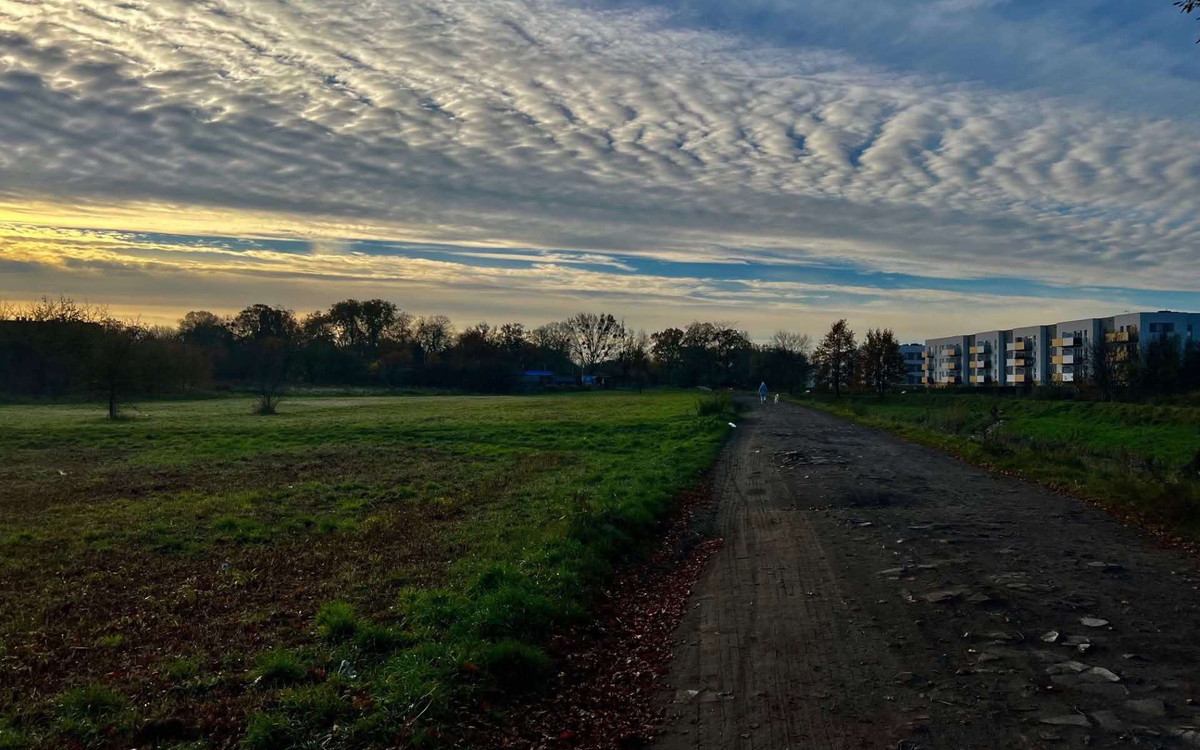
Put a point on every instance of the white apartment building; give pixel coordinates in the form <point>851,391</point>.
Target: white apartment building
<point>1039,355</point>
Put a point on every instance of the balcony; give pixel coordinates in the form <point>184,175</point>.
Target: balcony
<point>949,380</point>
<point>1066,342</point>
<point>1019,378</point>
<point>979,349</point>
<point>1063,377</point>
<point>1117,337</point>
<point>979,379</point>
<point>979,364</point>
<point>1016,362</point>
<point>951,365</point>
<point>1015,346</point>
<point>1063,359</point>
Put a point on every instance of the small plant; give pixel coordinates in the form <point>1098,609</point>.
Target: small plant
<point>377,639</point>
<point>182,670</point>
<point>317,706</point>
<point>337,621</point>
<point>280,666</point>
<point>11,739</point>
<point>110,641</point>
<point>89,713</point>
<point>515,665</point>
<point>270,731</point>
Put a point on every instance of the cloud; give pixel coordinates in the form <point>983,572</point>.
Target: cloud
<point>577,137</point>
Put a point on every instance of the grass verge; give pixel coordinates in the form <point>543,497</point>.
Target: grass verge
<point>1140,461</point>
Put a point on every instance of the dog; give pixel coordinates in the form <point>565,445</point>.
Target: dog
<point>777,398</point>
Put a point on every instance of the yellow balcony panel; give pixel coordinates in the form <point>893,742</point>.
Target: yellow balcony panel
<point>1016,346</point>
<point>1066,342</point>
<point>1019,378</point>
<point>1063,359</point>
<point>980,364</point>
<point>1016,362</point>
<point>951,365</point>
<point>979,349</point>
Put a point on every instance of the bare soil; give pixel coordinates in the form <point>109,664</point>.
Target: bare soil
<point>873,593</point>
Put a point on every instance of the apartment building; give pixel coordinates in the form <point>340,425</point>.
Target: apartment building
<point>945,360</point>
<point>1048,354</point>
<point>914,361</point>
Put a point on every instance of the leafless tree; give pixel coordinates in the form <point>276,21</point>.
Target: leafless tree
<point>594,339</point>
<point>791,342</point>
<point>434,333</point>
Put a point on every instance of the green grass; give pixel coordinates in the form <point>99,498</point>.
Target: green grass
<point>386,557</point>
<point>1135,458</point>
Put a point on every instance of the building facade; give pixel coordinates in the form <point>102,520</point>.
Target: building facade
<point>1048,354</point>
<point>914,361</point>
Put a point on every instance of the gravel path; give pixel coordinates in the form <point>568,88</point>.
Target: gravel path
<point>875,593</point>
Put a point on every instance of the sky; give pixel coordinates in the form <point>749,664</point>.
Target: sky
<point>933,166</point>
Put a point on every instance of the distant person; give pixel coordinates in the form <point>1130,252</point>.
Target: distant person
<point>762,393</point>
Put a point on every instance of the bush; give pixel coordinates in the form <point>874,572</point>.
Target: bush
<point>715,404</point>
<point>280,666</point>
<point>337,621</point>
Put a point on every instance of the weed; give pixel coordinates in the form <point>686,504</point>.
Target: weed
<point>182,670</point>
<point>515,665</point>
<point>337,621</point>
<point>279,666</point>
<point>316,706</point>
<point>270,731</point>
<point>90,713</point>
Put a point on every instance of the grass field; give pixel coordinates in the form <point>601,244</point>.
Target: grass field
<point>342,574</point>
<point>1141,460</point>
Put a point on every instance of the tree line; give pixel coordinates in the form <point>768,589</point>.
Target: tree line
<point>59,347</point>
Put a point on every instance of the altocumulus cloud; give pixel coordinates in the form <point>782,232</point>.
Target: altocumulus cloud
<point>575,137</point>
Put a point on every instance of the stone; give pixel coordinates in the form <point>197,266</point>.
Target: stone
<point>1099,674</point>
<point>1147,706</point>
<point>685,696</point>
<point>979,598</point>
<point>1110,690</point>
<point>1108,721</point>
<point>1050,636</point>
<point>946,595</point>
<point>1066,667</point>
<point>1092,622</point>
<point>1067,720</point>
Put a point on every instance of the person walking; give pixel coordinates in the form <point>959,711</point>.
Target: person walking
<point>762,393</point>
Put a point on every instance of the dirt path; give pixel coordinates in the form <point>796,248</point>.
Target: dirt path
<point>874,593</point>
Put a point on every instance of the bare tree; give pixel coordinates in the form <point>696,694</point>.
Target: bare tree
<point>635,358</point>
<point>114,360</point>
<point>593,339</point>
<point>434,334</point>
<point>1187,7</point>
<point>835,357</point>
<point>880,360</point>
<point>791,342</point>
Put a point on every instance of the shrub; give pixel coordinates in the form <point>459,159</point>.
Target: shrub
<point>280,666</point>
<point>715,404</point>
<point>337,621</point>
<point>11,739</point>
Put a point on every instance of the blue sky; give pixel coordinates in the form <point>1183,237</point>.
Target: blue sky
<point>931,166</point>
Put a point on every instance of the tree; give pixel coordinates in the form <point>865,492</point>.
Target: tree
<point>880,361</point>
<point>835,357</point>
<point>433,334</point>
<point>667,350</point>
<point>635,358</point>
<point>1187,7</point>
<point>786,359</point>
<point>267,335</point>
<point>593,339</point>
<point>115,363</point>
